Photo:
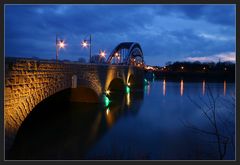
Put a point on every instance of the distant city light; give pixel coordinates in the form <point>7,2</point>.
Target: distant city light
<point>182,67</point>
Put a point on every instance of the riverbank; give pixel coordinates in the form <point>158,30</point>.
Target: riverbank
<point>192,76</point>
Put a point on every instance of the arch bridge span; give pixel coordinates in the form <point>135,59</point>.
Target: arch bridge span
<point>127,53</point>
<point>28,82</point>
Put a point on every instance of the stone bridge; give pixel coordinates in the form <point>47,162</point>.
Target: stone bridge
<point>28,82</point>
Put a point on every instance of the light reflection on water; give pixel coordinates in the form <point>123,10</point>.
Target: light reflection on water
<point>181,87</point>
<point>144,125</point>
<point>164,87</point>
<point>203,87</point>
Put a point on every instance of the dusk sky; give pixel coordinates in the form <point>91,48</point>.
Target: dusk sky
<point>165,32</point>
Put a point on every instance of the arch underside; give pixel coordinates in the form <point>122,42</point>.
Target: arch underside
<point>116,88</point>
<point>127,53</point>
<point>15,116</point>
<point>116,85</point>
<point>84,94</point>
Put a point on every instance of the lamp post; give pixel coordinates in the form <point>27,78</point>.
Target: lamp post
<point>56,48</point>
<point>59,44</point>
<point>85,44</point>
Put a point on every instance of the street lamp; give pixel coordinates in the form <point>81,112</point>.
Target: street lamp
<point>85,44</point>
<point>59,44</point>
<point>117,55</point>
<point>102,54</point>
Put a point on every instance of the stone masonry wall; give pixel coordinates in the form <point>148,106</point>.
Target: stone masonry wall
<point>28,82</point>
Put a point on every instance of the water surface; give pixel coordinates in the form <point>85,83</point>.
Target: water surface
<point>163,122</point>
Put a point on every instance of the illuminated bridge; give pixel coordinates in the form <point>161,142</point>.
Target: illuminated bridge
<point>28,82</point>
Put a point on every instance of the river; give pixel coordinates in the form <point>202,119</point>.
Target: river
<point>166,121</point>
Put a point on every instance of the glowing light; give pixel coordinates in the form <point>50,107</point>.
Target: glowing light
<point>109,117</point>
<point>102,53</point>
<point>84,44</point>
<point>107,92</point>
<point>182,67</point>
<point>128,99</point>
<point>116,54</point>
<point>127,89</point>
<point>128,83</point>
<point>203,87</point>
<point>181,87</point>
<point>107,111</point>
<point>61,44</point>
<point>106,100</point>
<point>225,68</point>
<point>150,68</point>
<point>204,68</point>
<point>146,82</point>
<point>224,87</point>
<point>164,87</point>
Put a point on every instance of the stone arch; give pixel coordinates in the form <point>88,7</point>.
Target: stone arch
<point>131,80</point>
<point>134,82</point>
<point>86,91</point>
<point>84,94</point>
<point>59,96</point>
<point>116,85</point>
<point>21,109</point>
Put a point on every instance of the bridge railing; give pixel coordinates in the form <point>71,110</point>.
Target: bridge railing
<point>33,64</point>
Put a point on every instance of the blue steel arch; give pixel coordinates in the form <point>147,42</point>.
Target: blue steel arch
<point>134,51</point>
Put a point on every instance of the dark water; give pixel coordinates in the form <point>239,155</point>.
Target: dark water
<point>164,122</point>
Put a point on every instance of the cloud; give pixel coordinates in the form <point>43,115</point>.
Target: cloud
<point>216,14</point>
<point>223,57</point>
<point>165,32</point>
<point>215,37</point>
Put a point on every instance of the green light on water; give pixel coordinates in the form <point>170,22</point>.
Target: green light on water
<point>127,89</point>
<point>145,81</point>
<point>106,100</point>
